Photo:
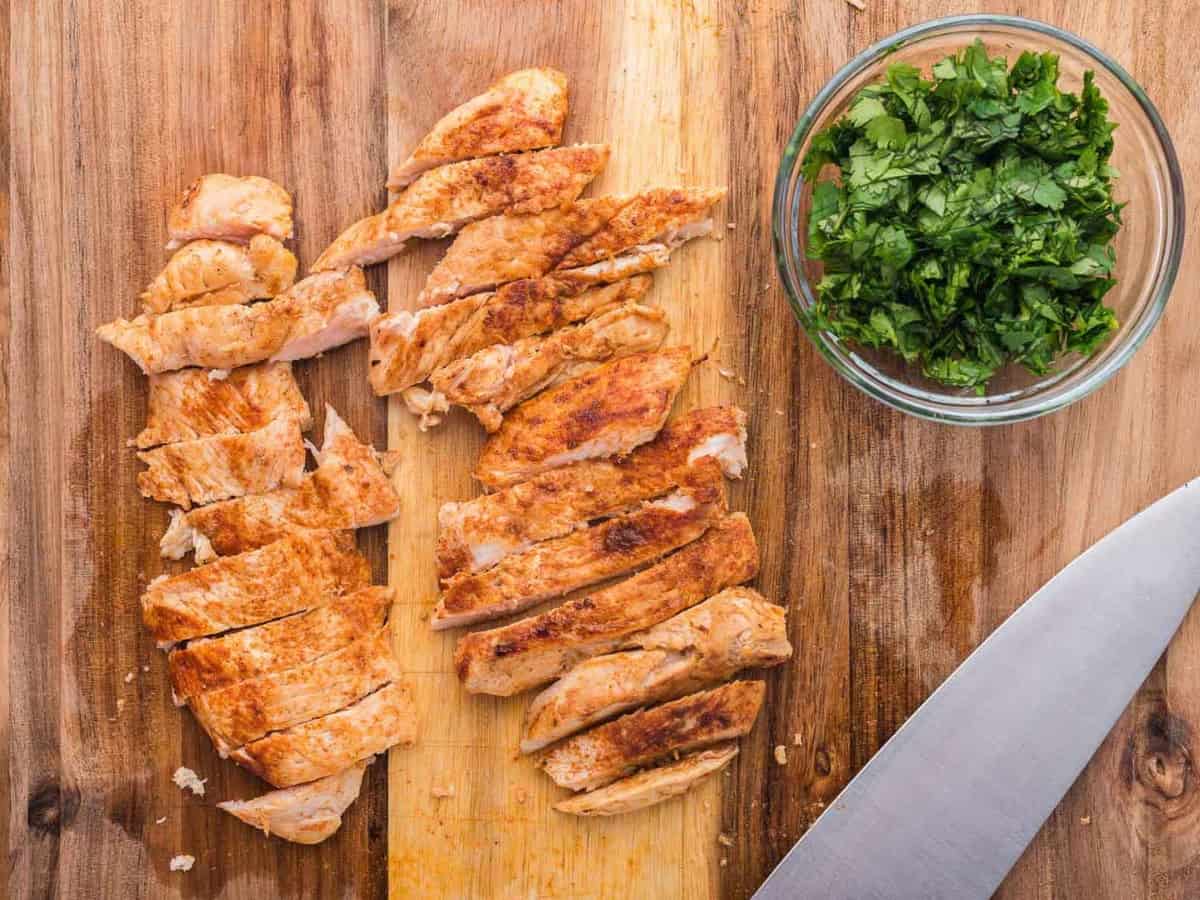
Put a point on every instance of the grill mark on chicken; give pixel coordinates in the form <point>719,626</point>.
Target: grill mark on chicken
<point>304,814</point>
<point>611,751</point>
<point>230,208</point>
<point>513,658</point>
<point>611,548</point>
<point>209,273</point>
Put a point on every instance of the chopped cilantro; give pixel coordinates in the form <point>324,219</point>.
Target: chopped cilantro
<point>973,220</point>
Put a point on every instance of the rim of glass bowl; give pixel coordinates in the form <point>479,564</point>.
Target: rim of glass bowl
<point>995,409</point>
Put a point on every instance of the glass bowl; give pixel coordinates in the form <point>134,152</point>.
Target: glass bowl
<point>1148,245</point>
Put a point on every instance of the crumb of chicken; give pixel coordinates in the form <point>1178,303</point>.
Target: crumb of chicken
<point>731,226</point>
<point>726,373</point>
<point>186,779</point>
<point>724,840</point>
<point>442,792</point>
<point>160,820</point>
<point>182,863</point>
<point>860,5</point>
<point>1085,820</point>
<point>797,739</point>
<point>781,754</point>
<point>128,677</point>
<point>724,861</point>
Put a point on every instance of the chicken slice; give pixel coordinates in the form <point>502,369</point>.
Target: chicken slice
<point>348,489</point>
<point>613,547</point>
<point>211,663</point>
<point>229,465</point>
<point>443,200</point>
<point>524,654</point>
<point>327,745</point>
<point>524,110</point>
<point>737,629</point>
<point>493,381</point>
<point>195,403</point>
<point>316,314</point>
<point>306,813</point>
<point>504,248</point>
<point>605,412</point>
<point>476,534</point>
<point>650,786</point>
<point>663,216</point>
<point>428,406</point>
<point>229,208</point>
<point>210,273</point>
<point>407,347</point>
<point>296,572</point>
<point>243,712</point>
<point>616,749</point>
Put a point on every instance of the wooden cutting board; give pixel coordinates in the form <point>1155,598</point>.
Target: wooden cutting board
<point>897,544</point>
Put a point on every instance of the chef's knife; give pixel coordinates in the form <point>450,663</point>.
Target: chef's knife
<point>947,805</point>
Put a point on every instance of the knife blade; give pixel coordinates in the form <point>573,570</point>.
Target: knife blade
<point>948,804</point>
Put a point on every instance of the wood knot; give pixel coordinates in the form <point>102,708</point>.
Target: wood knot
<point>822,762</point>
<point>1159,758</point>
<point>51,808</point>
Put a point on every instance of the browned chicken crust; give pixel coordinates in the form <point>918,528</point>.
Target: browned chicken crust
<point>304,814</point>
<point>524,110</point>
<point>211,663</point>
<point>333,742</point>
<point>476,534</point>
<point>524,654</point>
<point>230,208</point>
<point>210,273</point>
<point>613,547</point>
<point>243,712</point>
<point>297,572</point>
<point>651,786</point>
<point>407,347</point>
<point>604,754</point>
<point>605,412</point>
<point>195,403</point>
<point>445,199</point>
<point>216,468</point>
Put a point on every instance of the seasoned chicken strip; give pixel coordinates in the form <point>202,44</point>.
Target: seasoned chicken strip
<point>611,548</point>
<point>297,572</point>
<point>306,813</point>
<point>229,465</point>
<point>493,381</point>
<point>737,629</point>
<point>604,754</point>
<point>327,745</point>
<point>195,403</point>
<point>243,712</point>
<point>229,208</point>
<point>211,663</point>
<point>516,657</point>
<point>605,412</point>
<point>316,314</point>
<point>348,489</point>
<point>666,216</point>
<point>210,273</point>
<point>509,247</point>
<point>524,110</point>
<point>443,200</point>
<point>652,785</point>
<point>476,534</point>
<point>407,347</point>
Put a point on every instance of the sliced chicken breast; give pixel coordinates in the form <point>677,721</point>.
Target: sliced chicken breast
<point>663,216</point>
<point>604,754</point>
<point>348,489</point>
<point>208,664</point>
<point>304,814</point>
<point>316,314</point>
<point>211,273</point>
<point>230,208</point>
<point>296,572</point>
<point>329,744</point>
<point>651,786</point>
<point>406,347</point>
<point>493,381</point>
<point>476,534</point>
<point>611,548</point>
<point>504,248</point>
<point>230,465</point>
<point>530,652</point>
<point>524,110</point>
<point>243,712</point>
<point>737,629</point>
<point>443,200</point>
<point>195,403</point>
<point>606,412</point>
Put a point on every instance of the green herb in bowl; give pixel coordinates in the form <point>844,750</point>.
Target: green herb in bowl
<point>973,220</point>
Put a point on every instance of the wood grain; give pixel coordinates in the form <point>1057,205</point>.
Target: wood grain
<point>898,544</point>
